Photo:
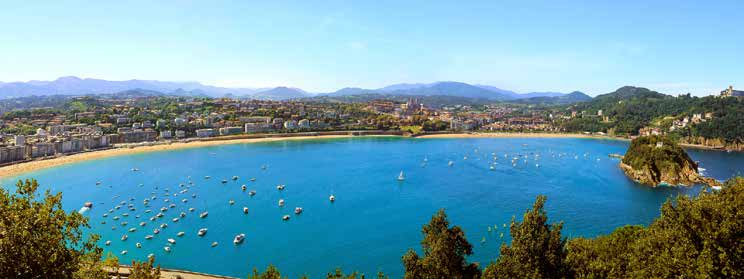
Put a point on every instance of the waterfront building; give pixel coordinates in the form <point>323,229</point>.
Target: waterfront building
<point>12,153</point>
<point>205,133</point>
<point>19,140</point>
<point>304,124</point>
<point>230,131</point>
<point>180,134</point>
<point>165,134</point>
<point>290,124</point>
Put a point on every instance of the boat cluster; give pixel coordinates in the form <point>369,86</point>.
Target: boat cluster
<point>169,205</point>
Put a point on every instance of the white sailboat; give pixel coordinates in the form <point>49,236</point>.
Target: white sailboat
<point>401,177</point>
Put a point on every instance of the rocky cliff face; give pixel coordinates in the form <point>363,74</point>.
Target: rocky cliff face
<point>656,161</point>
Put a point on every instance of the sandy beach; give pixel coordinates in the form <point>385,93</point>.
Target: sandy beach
<point>30,166</point>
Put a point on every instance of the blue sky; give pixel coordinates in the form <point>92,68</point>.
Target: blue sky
<point>592,46</point>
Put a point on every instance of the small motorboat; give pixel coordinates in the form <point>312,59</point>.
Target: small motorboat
<point>163,225</point>
<point>281,202</point>
<point>238,239</point>
<point>124,252</point>
<point>253,179</point>
<point>252,193</point>
<point>231,202</point>
<point>88,204</point>
<point>332,198</point>
<point>224,181</point>
<point>207,177</point>
<point>108,242</point>
<point>132,229</point>
<point>280,187</point>
<point>124,237</point>
<point>203,214</point>
<point>171,241</point>
<point>138,245</point>
<point>451,163</point>
<point>183,214</point>
<point>285,217</point>
<point>298,210</point>
<point>214,244</point>
<point>245,210</point>
<point>202,232</point>
<point>155,231</point>
<point>179,234</point>
<point>148,237</point>
<point>167,248</point>
<point>235,177</point>
<point>243,187</point>
<point>191,209</point>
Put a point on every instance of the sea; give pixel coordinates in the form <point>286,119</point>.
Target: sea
<point>481,183</point>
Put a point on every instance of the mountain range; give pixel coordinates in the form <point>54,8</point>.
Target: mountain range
<point>77,86</point>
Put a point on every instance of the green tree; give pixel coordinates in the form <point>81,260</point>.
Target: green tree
<point>537,249</point>
<point>445,249</point>
<point>604,256</point>
<point>271,272</point>
<point>339,274</point>
<point>38,239</point>
<point>145,270</point>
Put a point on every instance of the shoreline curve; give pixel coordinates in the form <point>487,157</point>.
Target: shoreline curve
<point>45,163</point>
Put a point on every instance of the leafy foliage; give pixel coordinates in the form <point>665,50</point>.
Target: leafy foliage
<point>693,238</point>
<point>145,270</point>
<point>445,249</point>
<point>537,249</point>
<point>271,272</point>
<point>38,239</point>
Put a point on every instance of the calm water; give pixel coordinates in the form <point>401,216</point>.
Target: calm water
<point>375,218</point>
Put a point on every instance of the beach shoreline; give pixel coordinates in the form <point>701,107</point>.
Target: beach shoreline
<point>40,164</point>
<point>44,163</point>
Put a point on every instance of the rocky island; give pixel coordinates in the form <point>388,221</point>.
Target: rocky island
<point>656,160</point>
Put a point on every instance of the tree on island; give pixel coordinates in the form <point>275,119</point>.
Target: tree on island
<point>445,249</point>
<point>653,160</point>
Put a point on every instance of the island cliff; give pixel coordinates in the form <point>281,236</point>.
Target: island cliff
<point>655,160</point>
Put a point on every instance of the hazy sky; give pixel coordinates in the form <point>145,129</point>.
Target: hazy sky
<point>593,46</point>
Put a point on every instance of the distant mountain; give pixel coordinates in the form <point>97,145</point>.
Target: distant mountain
<point>76,86</point>
<point>556,99</point>
<point>445,88</point>
<point>542,94</point>
<point>351,91</point>
<point>451,88</point>
<point>512,94</point>
<point>629,92</point>
<point>280,93</point>
<point>402,86</point>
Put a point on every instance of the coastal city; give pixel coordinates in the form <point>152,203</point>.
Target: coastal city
<point>87,123</point>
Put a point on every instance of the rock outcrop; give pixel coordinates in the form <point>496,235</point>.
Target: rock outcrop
<point>656,160</point>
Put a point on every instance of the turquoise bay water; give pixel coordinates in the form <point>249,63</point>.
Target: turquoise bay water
<point>375,218</point>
